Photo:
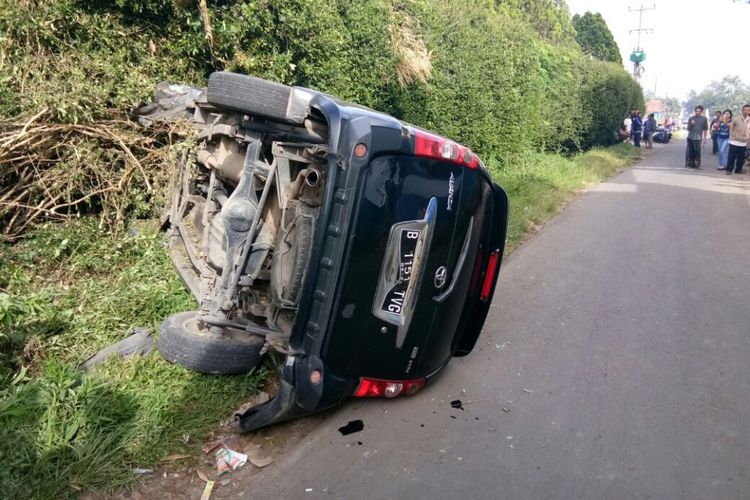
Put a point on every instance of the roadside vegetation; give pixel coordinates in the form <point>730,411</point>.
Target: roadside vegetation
<point>82,260</point>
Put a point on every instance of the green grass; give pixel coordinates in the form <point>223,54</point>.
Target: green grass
<point>67,291</point>
<point>540,183</point>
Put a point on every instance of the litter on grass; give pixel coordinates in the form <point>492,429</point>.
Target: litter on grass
<point>228,460</point>
<point>207,490</point>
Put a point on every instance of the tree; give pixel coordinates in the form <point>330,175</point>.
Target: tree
<point>728,93</point>
<point>672,106</point>
<point>594,37</point>
<point>549,18</point>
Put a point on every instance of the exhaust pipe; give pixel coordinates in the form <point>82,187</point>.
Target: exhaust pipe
<point>309,176</point>
<point>312,176</point>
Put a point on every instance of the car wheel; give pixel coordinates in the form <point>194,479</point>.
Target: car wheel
<point>233,351</point>
<point>248,94</point>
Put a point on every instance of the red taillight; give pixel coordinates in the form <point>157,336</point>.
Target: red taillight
<point>427,145</point>
<point>489,277</point>
<point>476,272</point>
<point>377,388</point>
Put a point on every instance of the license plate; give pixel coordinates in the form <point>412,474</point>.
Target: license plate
<point>400,276</point>
<point>393,302</point>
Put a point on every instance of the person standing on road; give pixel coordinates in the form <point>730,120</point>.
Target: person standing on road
<point>628,122</point>
<point>723,138</point>
<point>636,129</point>
<point>648,131</point>
<point>739,132</point>
<point>697,129</point>
<point>715,132</point>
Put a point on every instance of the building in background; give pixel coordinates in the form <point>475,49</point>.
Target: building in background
<point>656,106</point>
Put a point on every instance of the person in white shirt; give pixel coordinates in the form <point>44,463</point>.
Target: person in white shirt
<point>628,122</point>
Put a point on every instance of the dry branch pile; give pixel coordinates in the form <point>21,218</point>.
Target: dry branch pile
<point>52,171</point>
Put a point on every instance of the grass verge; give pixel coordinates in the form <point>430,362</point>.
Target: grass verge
<point>70,289</point>
<point>65,292</point>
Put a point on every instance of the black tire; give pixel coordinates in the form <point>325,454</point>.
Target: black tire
<point>234,351</point>
<point>250,95</point>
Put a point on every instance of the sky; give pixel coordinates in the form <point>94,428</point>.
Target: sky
<point>680,54</point>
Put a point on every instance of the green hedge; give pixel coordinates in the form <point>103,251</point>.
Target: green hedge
<point>500,83</point>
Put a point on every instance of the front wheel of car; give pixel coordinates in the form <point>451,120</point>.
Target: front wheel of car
<point>182,341</point>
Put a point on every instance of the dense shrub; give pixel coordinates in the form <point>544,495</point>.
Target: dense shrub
<point>504,77</point>
<point>486,88</point>
<point>607,94</point>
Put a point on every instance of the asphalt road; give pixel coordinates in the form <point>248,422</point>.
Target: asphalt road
<point>615,363</point>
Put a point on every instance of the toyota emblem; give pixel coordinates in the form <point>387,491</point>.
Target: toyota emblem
<point>440,276</point>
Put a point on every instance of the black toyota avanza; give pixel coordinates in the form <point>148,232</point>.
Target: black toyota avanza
<point>363,249</point>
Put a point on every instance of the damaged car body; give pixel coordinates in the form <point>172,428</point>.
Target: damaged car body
<point>364,249</point>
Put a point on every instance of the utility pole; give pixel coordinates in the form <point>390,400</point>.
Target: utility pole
<point>638,55</point>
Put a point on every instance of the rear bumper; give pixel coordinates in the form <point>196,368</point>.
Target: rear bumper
<point>295,397</point>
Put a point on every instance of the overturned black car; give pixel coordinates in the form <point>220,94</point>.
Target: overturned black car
<point>364,249</point>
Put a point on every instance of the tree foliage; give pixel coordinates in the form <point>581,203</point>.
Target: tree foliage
<point>549,18</point>
<point>594,37</point>
<point>728,93</point>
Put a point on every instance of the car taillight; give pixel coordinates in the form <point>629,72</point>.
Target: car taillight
<point>377,388</point>
<point>427,145</point>
<point>489,277</point>
<point>476,272</point>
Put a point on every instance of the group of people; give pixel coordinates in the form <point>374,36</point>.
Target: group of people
<point>729,136</point>
<point>634,127</point>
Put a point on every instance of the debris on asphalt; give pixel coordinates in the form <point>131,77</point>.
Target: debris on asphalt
<point>352,427</point>
<point>506,409</point>
<point>257,457</point>
<point>457,404</point>
<point>308,490</point>
<point>228,460</point>
<point>527,391</point>
<point>491,429</point>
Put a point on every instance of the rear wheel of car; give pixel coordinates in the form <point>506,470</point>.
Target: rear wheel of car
<point>248,94</point>
<point>182,342</point>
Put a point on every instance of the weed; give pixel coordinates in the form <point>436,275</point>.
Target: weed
<point>68,291</point>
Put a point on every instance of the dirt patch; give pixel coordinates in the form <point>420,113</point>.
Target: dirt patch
<point>180,478</point>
